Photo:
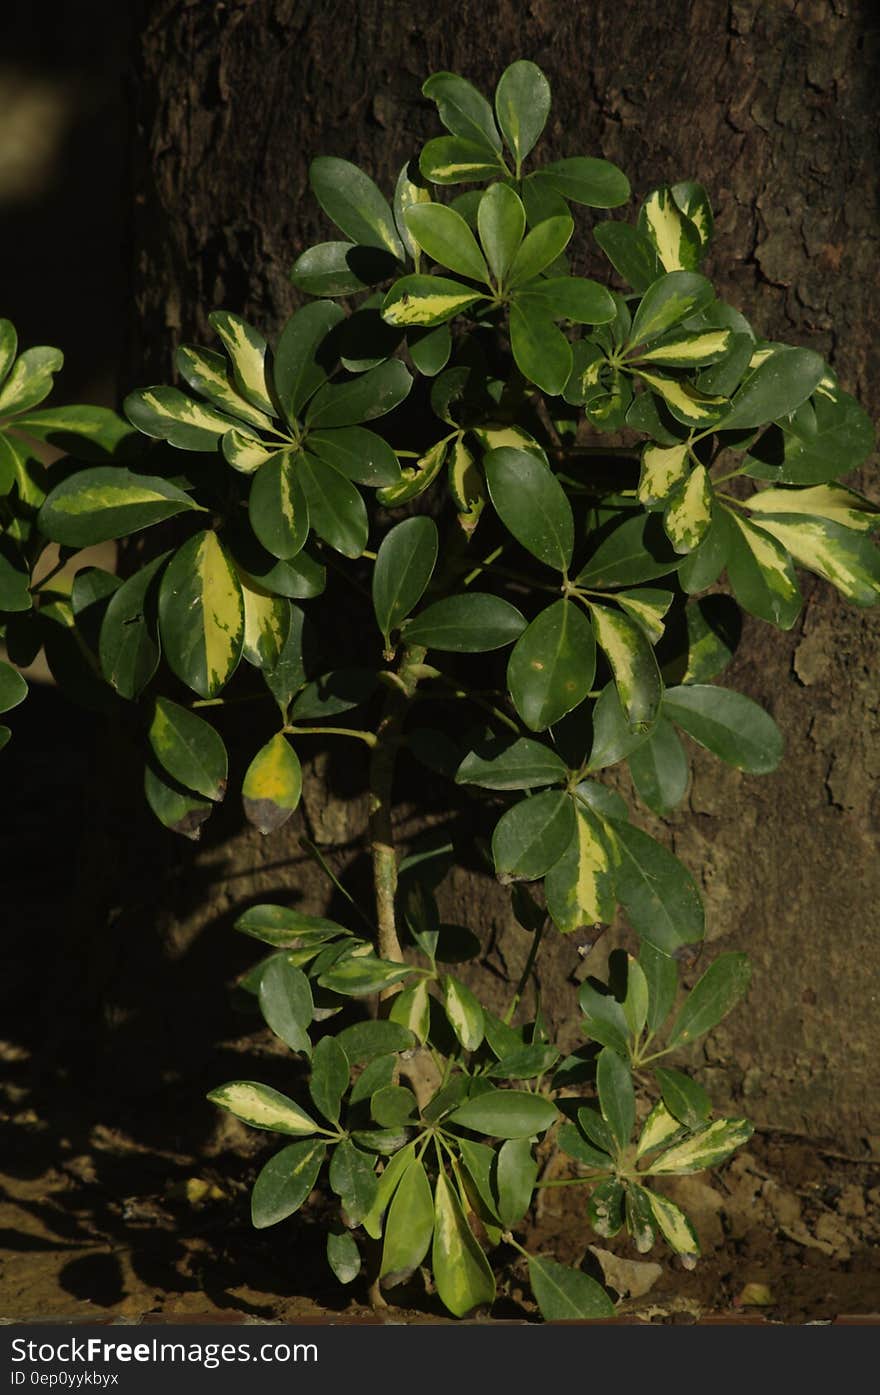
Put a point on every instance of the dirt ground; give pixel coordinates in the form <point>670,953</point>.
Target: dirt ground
<point>99,1220</point>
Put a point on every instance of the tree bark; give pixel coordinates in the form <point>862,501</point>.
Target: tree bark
<point>773,107</point>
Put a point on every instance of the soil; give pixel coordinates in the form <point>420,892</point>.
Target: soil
<point>106,1215</point>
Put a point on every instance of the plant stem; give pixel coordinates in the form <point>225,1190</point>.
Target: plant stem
<point>366,736</point>
<point>524,976</point>
<point>382,762</point>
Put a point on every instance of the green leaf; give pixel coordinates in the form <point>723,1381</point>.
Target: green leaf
<point>552,666</point>
<point>364,1041</point>
<point>731,726</point>
<point>541,199</point>
<point>541,351</point>
<point>408,1226</point>
<point>9,346</point>
<point>842,439</point>
<point>668,301</point>
<point>453,160</point>
<point>350,198</point>
<point>363,398</point>
<point>613,738</point>
<point>357,453</point>
<point>616,1095</point>
<point>30,378</point>
<point>761,574</point>
<point>463,110</point>
<point>572,298</point>
<point>532,505</point>
<point>674,1225</point>
<point>427,300</point>
<point>262,1107</point>
<point>684,1098</point>
<point>169,415</point>
<point>468,624</point>
<point>206,372</point>
<point>580,887</point>
<point>501,765</point>
<point>286,928</point>
<point>175,807</point>
<point>661,972</point>
<point>659,769</point>
<point>336,508</point>
<point>461,1271</point>
<point>657,892</point>
<point>777,387</point>
<point>393,1106</point>
<point>532,835</point>
<point>675,238</point>
<point>87,433</point>
<point>352,1175</point>
<point>189,749</point>
<point>15,592</point>
<point>305,355</point>
<point>566,1295</point>
<point>287,675</point>
<point>596,183</point>
<point>446,238</point>
<point>522,105</point>
<point>636,1001</point>
<point>721,987</point>
<point>636,675</point>
<point>286,1003</point>
<point>845,558</point>
<point>501,221</point>
<point>539,249</point>
<point>128,646</point>
<point>285,1182</point>
<point>505,1114</point>
<point>694,203</point>
<point>635,550</point>
<point>515,1177</point>
<point>525,1063</point>
<point>359,976</point>
<point>272,785</point>
<point>705,1149</point>
<point>338,691</point>
<point>277,506</point>
<point>404,565</point>
<point>201,615</point>
<point>463,1012</point>
<point>388,1181</point>
<point>630,252</point>
<point>343,1255</point>
<point>703,566</point>
<point>97,505</point>
<point>572,1142</point>
<point>13,688</point>
<point>341,268</point>
<point>329,1079</point>
<point>605,1020</point>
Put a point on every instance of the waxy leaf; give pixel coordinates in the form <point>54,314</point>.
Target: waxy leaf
<point>684,1098</point>
<point>539,249</point>
<point>580,887</point>
<point>605,1020</point>
<point>463,1011</point>
<point>500,765</point>
<point>357,453</point>
<point>364,1041</point>
<point>272,785</point>
<point>461,1271</point>
<point>659,769</point>
<point>659,1130</point>
<point>13,688</point>
<point>674,1225</point>
<point>8,347</point>
<point>532,505</point>
<point>761,573</point>
<point>285,1182</point>
<point>201,615</point>
<point>640,1217</point>
<point>731,726</point>
<point>404,565</point>
<point>676,240</point>
<point>552,666</point>
<point>94,506</point>
<point>167,414</point>
<point>721,987</point>
<point>473,623</point>
<point>630,252</point>
<point>350,198</point>
<point>343,1255</point>
<point>189,749</point>
<point>613,737</point>
<point>463,110</point>
<point>351,1175</point>
<point>582,179</point>
<point>277,506</point>
<point>329,1078</point>
<point>501,221</point>
<point>207,373</point>
<point>841,439</point>
<point>262,1107</point>
<point>358,976</point>
<point>286,1003</point>
<point>777,387</point>
<point>541,351</point>
<point>30,378</point>
<point>522,105</point>
<point>616,1095</point>
<point>705,1149</point>
<point>446,238</point>
<point>636,675</point>
<point>668,301</point>
<point>687,404</point>
<point>175,807</point>
<point>846,558</point>
<point>454,160</point>
<point>286,928</point>
<point>572,298</point>
<point>605,1208</point>
<point>515,1176</point>
<point>635,550</point>
<point>661,972</point>
<point>566,1295</point>
<point>408,1226</point>
<point>532,836</point>
<point>305,355</point>
<point>249,355</point>
<point>657,892</point>
<point>688,514</point>
<point>341,268</point>
<point>505,1114</point>
<point>412,1009</point>
<point>267,621</point>
<point>427,300</point>
<point>336,508</point>
<point>128,645</point>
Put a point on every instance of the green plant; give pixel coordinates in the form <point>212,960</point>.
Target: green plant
<point>469,369</point>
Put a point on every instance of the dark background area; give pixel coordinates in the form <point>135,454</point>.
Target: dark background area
<point>153,166</point>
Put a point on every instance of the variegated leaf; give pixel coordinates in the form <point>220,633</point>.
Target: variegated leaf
<point>762,574</point>
<point>427,300</point>
<point>207,373</point>
<point>687,404</point>
<point>201,615</point>
<point>580,887</point>
<point>248,352</point>
<point>167,414</point>
<point>689,514</point>
<point>243,452</point>
<point>633,664</point>
<point>847,559</point>
<point>676,240</point>
<point>689,350</point>
<point>29,379</point>
<point>266,623</point>
<point>272,785</point>
<point>663,469</point>
<point>659,1129</point>
<point>832,501</point>
<point>414,479</point>
<point>674,1225</point>
<point>706,1148</point>
<point>647,607</point>
<point>412,1009</point>
<point>96,505</point>
<point>263,1108</point>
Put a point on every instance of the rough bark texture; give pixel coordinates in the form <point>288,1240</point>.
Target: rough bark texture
<point>772,106</point>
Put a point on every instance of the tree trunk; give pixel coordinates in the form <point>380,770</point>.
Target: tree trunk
<point>773,108</point>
